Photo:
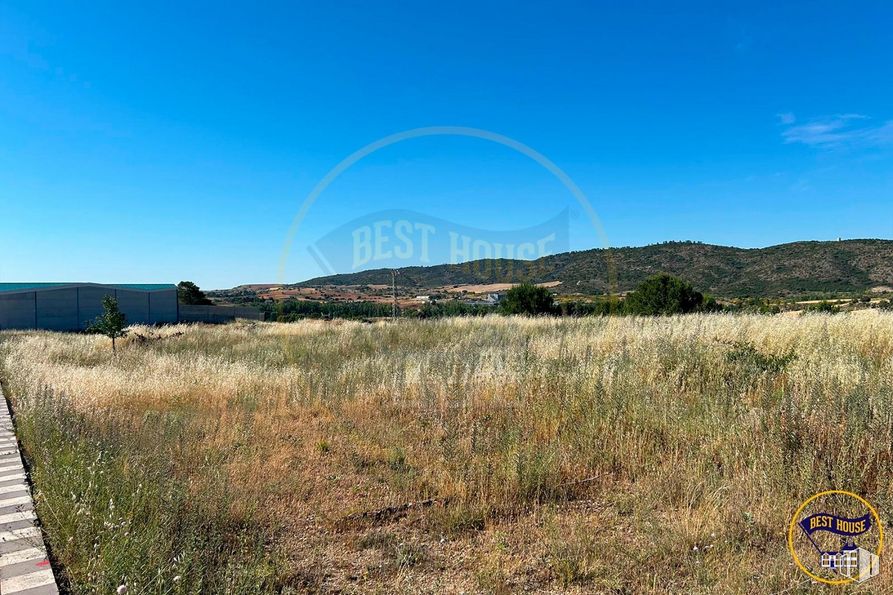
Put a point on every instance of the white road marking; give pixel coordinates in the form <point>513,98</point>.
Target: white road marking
<point>27,581</point>
<point>23,515</point>
<point>16,534</point>
<point>32,553</point>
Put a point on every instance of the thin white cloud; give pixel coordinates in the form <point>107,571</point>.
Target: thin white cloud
<point>842,130</point>
<point>883,134</point>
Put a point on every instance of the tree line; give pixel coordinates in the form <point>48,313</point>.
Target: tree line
<point>660,295</point>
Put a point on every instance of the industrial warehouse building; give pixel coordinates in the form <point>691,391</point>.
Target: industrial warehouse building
<point>74,306</point>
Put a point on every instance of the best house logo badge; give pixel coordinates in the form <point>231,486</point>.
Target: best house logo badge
<point>836,537</point>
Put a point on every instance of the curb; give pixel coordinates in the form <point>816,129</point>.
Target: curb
<point>24,567</point>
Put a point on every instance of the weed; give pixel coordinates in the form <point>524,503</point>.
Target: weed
<point>199,456</point>
<point>407,555</point>
<point>746,354</point>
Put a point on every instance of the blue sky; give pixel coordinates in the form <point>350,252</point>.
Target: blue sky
<point>169,142</point>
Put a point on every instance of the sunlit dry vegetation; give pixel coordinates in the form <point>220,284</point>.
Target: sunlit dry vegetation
<point>478,455</point>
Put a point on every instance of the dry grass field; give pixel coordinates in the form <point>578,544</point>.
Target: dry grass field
<point>493,455</point>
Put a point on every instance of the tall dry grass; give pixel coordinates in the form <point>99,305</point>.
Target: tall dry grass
<point>597,454</point>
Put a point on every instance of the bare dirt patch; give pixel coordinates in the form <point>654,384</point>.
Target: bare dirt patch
<point>491,287</point>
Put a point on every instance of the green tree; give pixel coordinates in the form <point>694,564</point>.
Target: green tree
<point>663,295</point>
<point>189,293</point>
<point>111,323</point>
<point>527,299</point>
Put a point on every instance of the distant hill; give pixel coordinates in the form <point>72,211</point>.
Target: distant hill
<point>788,269</point>
<point>796,269</point>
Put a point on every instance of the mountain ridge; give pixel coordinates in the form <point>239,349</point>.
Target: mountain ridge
<point>795,268</point>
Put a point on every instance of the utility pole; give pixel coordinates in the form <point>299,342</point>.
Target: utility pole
<point>394,273</point>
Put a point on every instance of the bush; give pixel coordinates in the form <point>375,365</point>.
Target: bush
<point>450,308</point>
<point>663,295</point>
<point>745,353</point>
<point>528,299</point>
<point>293,310</point>
<point>603,306</point>
<point>711,305</point>
<point>823,307</point>
<point>754,305</point>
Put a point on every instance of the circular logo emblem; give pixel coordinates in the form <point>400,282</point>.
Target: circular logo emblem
<point>836,537</point>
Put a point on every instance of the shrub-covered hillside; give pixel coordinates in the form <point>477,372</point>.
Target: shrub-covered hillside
<point>788,269</point>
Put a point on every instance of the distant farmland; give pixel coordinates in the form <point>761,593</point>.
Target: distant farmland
<point>639,455</point>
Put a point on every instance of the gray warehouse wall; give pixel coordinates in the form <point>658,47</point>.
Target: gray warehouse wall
<point>140,307</point>
<point>75,308</point>
<point>17,311</point>
<point>134,304</point>
<point>57,309</point>
<point>90,304</point>
<point>163,307</point>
